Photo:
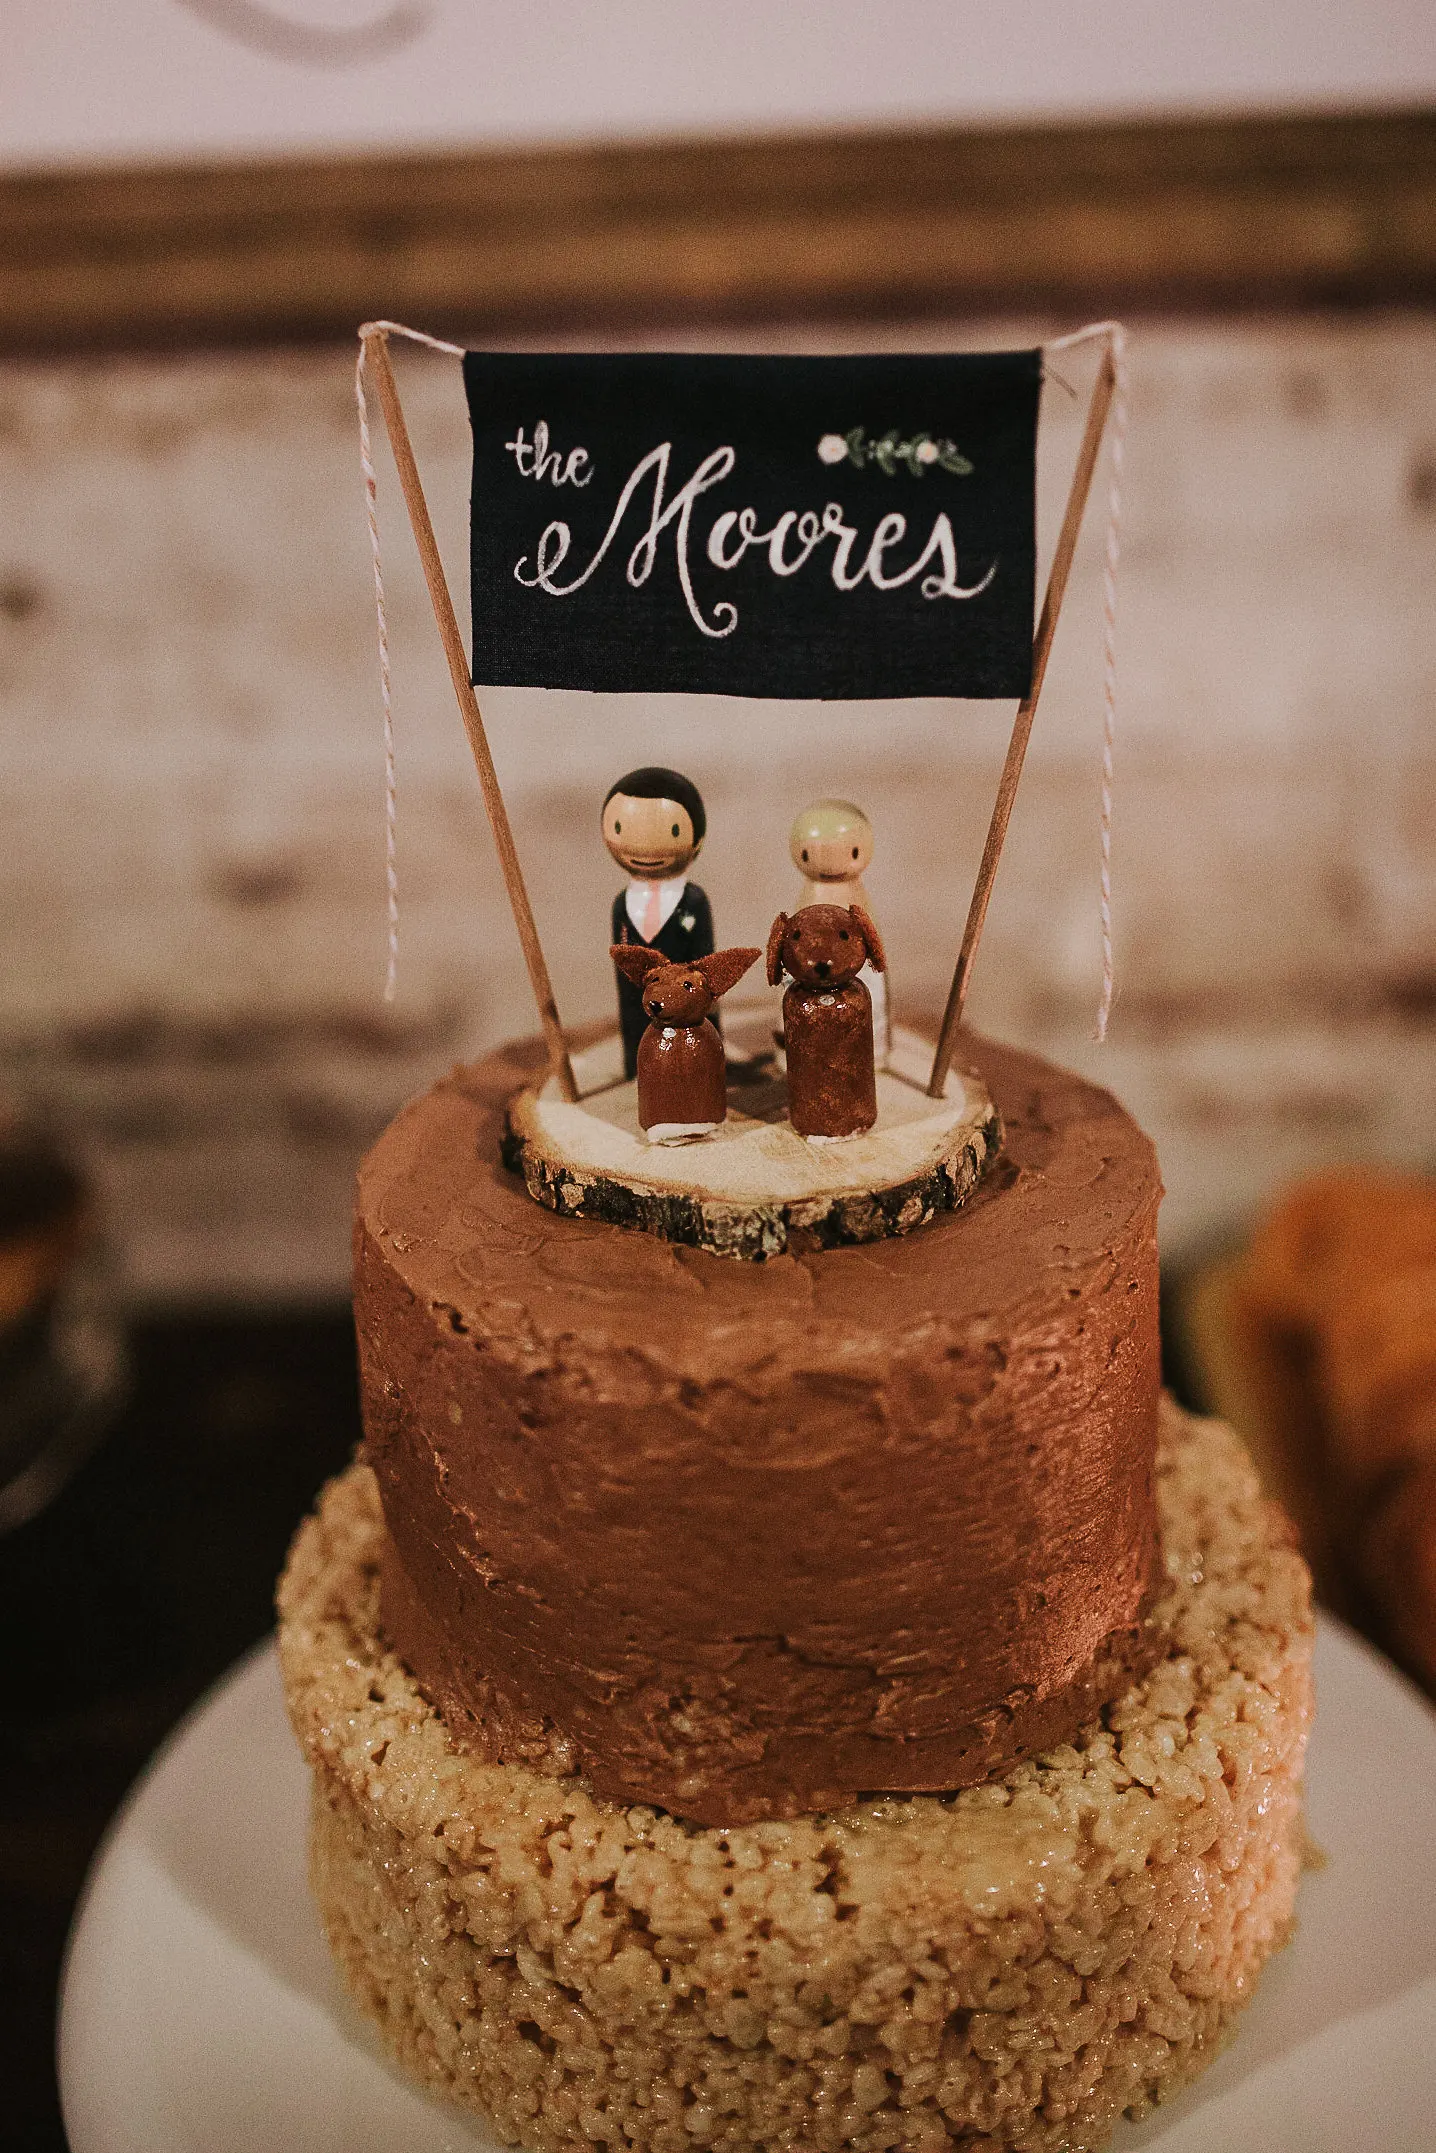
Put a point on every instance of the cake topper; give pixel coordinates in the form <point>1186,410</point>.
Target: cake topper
<point>682,1090</point>
<point>774,564</point>
<point>827,1017</point>
<point>831,843</point>
<point>654,825</point>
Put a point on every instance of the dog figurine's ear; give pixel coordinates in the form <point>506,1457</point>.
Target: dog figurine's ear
<point>635,961</point>
<point>872,938</point>
<point>725,968</point>
<point>775,948</point>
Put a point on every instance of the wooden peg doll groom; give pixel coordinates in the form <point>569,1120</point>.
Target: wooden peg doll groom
<point>653,824</point>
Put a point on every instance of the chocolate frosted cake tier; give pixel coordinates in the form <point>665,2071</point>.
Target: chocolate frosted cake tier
<point>746,1540</point>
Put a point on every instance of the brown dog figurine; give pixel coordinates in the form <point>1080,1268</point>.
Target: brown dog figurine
<point>827,1017</point>
<point>681,1081</point>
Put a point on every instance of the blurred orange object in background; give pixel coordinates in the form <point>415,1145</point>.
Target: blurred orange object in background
<point>1320,1341</point>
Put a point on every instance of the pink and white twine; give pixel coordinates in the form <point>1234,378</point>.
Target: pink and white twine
<point>386,691</point>
<point>1116,338</point>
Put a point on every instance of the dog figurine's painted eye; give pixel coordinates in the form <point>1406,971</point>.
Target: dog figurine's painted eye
<point>805,852</point>
<point>855,849</point>
<point>618,829</point>
<point>675,833</point>
<point>842,934</point>
<point>796,936</point>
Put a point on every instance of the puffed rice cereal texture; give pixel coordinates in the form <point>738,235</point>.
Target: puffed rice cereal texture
<point>1014,1966</point>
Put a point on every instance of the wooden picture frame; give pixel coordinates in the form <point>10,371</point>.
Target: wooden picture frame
<point>1069,220</point>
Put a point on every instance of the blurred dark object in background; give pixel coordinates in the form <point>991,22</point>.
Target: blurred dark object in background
<point>62,1362</point>
<point>125,1598</point>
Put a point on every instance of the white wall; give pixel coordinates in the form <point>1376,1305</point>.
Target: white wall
<point>191,888</point>
<point>139,79</point>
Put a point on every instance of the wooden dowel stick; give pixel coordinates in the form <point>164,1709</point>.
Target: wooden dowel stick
<point>1022,724</point>
<point>377,356</point>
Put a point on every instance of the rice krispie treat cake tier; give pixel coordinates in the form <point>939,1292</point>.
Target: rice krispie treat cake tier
<point>1012,1966</point>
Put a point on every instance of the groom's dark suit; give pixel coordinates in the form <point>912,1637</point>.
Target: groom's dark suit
<point>687,933</point>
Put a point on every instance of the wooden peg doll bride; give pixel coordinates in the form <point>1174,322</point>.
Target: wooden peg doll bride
<point>832,845</point>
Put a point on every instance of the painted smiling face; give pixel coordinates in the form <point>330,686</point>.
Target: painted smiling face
<point>651,838</point>
<point>831,841</point>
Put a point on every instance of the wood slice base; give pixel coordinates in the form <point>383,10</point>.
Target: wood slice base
<point>755,1187</point>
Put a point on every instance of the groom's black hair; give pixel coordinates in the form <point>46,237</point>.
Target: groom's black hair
<point>654,783</point>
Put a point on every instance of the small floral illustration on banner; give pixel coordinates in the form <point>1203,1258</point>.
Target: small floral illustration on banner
<point>889,451</point>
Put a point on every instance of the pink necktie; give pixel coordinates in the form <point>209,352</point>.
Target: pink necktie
<point>650,910</point>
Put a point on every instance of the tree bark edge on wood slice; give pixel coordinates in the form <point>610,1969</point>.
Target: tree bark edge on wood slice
<point>755,1230</point>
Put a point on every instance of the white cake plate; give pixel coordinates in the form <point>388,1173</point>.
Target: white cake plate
<point>200,2012</point>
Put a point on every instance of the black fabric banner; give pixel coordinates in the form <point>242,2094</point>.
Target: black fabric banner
<point>754,526</point>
